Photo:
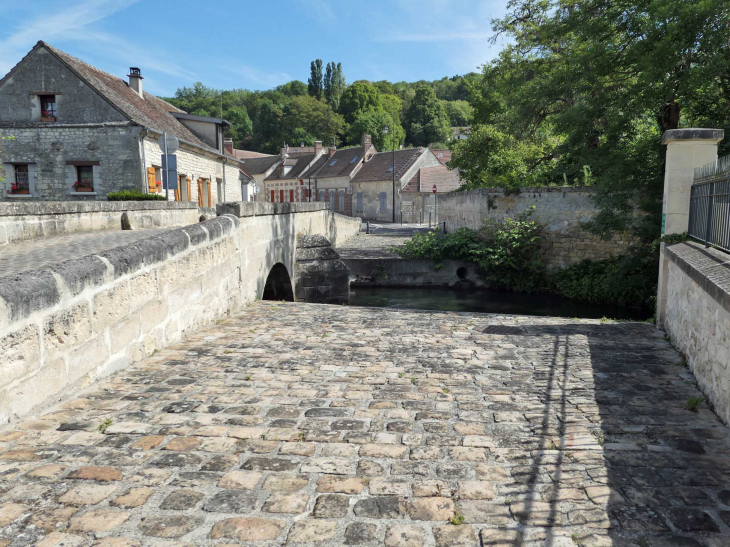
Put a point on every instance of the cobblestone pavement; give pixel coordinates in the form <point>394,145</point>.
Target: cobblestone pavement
<point>378,242</point>
<point>297,424</point>
<point>38,253</point>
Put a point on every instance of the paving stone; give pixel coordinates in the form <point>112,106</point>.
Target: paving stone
<point>275,421</point>
<point>286,503</point>
<point>247,529</point>
<point>98,521</point>
<point>230,501</point>
<point>311,531</point>
<point>87,494</point>
<point>11,511</point>
<point>358,533</point>
<point>404,536</point>
<point>169,527</point>
<point>95,473</point>
<point>436,508</point>
<point>331,506</point>
<point>454,536</point>
<point>692,520</point>
<point>59,539</point>
<point>135,497</point>
<point>181,500</point>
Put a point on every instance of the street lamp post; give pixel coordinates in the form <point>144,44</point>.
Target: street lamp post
<point>385,132</point>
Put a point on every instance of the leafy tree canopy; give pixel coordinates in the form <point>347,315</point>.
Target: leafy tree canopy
<point>360,97</point>
<point>426,118</point>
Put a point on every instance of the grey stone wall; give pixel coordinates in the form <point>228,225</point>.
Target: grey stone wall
<point>562,210</point>
<point>21,221</point>
<point>50,146</point>
<point>698,317</point>
<point>43,73</point>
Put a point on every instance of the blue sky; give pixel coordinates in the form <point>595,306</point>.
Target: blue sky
<point>256,45</point>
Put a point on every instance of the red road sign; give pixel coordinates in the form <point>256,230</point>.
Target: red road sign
<point>434,188</point>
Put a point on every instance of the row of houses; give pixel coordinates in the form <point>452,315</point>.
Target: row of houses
<point>73,132</point>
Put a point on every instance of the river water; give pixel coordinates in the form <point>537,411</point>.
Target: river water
<point>488,301</point>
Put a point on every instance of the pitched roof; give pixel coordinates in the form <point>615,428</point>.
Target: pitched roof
<point>299,163</point>
<point>446,180</point>
<point>247,154</point>
<point>378,167</point>
<point>256,166</point>
<point>345,161</point>
<point>443,155</point>
<point>151,112</point>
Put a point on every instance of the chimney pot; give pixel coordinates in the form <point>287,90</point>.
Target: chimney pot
<point>135,80</point>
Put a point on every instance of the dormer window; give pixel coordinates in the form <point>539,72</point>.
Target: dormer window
<point>48,108</point>
<point>353,160</point>
<point>332,163</point>
<point>287,168</point>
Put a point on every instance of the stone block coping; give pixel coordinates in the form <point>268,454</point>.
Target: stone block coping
<point>36,290</point>
<point>242,209</point>
<point>709,268</point>
<point>11,209</point>
<point>693,134</point>
<point>526,190</point>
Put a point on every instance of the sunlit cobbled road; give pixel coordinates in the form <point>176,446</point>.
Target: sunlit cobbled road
<point>297,424</point>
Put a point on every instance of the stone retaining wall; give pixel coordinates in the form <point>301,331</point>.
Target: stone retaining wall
<point>697,316</point>
<point>24,221</point>
<point>65,326</point>
<point>562,210</point>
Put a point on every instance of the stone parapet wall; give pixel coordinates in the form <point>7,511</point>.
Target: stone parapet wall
<point>65,326</point>
<point>697,317</point>
<point>27,221</point>
<point>562,210</point>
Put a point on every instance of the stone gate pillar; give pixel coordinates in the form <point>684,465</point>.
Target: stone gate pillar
<point>686,149</point>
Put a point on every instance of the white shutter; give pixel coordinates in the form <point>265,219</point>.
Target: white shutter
<point>70,177</point>
<point>97,177</point>
<point>9,169</point>
<point>32,181</point>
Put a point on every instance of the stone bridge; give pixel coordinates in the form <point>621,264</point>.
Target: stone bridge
<point>68,323</point>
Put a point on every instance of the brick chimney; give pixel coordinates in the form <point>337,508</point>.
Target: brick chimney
<point>317,148</point>
<point>331,151</point>
<point>367,140</point>
<point>284,152</point>
<point>135,80</point>
<point>228,146</point>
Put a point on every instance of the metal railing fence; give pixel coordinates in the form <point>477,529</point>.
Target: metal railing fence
<point>709,205</point>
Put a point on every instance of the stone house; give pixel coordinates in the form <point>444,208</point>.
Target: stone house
<point>418,196</point>
<point>286,181</point>
<point>333,173</point>
<point>79,133</point>
<point>373,184</point>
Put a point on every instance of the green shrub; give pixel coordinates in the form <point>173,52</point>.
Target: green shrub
<point>134,195</point>
<point>506,250</point>
<point>629,280</point>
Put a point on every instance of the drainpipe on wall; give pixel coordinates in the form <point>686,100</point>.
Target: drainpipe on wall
<point>225,161</point>
<point>145,184</point>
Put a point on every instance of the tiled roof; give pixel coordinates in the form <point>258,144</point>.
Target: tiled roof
<point>247,154</point>
<point>256,166</point>
<point>299,164</point>
<point>150,112</point>
<point>377,168</point>
<point>343,164</point>
<point>444,155</point>
<point>446,180</point>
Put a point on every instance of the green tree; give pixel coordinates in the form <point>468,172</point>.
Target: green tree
<point>359,97</point>
<point>426,120</point>
<point>590,86</point>
<point>334,84</point>
<point>293,88</point>
<point>373,122</point>
<point>307,116</point>
<point>314,84</point>
<point>459,112</point>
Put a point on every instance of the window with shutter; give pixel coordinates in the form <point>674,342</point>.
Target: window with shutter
<point>342,199</point>
<point>190,194</point>
<point>383,202</point>
<point>359,202</point>
<point>273,196</point>
<point>151,180</point>
<point>321,195</point>
<point>200,192</point>
<point>332,200</point>
<point>281,196</point>
<point>291,195</point>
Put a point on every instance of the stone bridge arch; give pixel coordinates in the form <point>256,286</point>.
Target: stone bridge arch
<point>278,284</point>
